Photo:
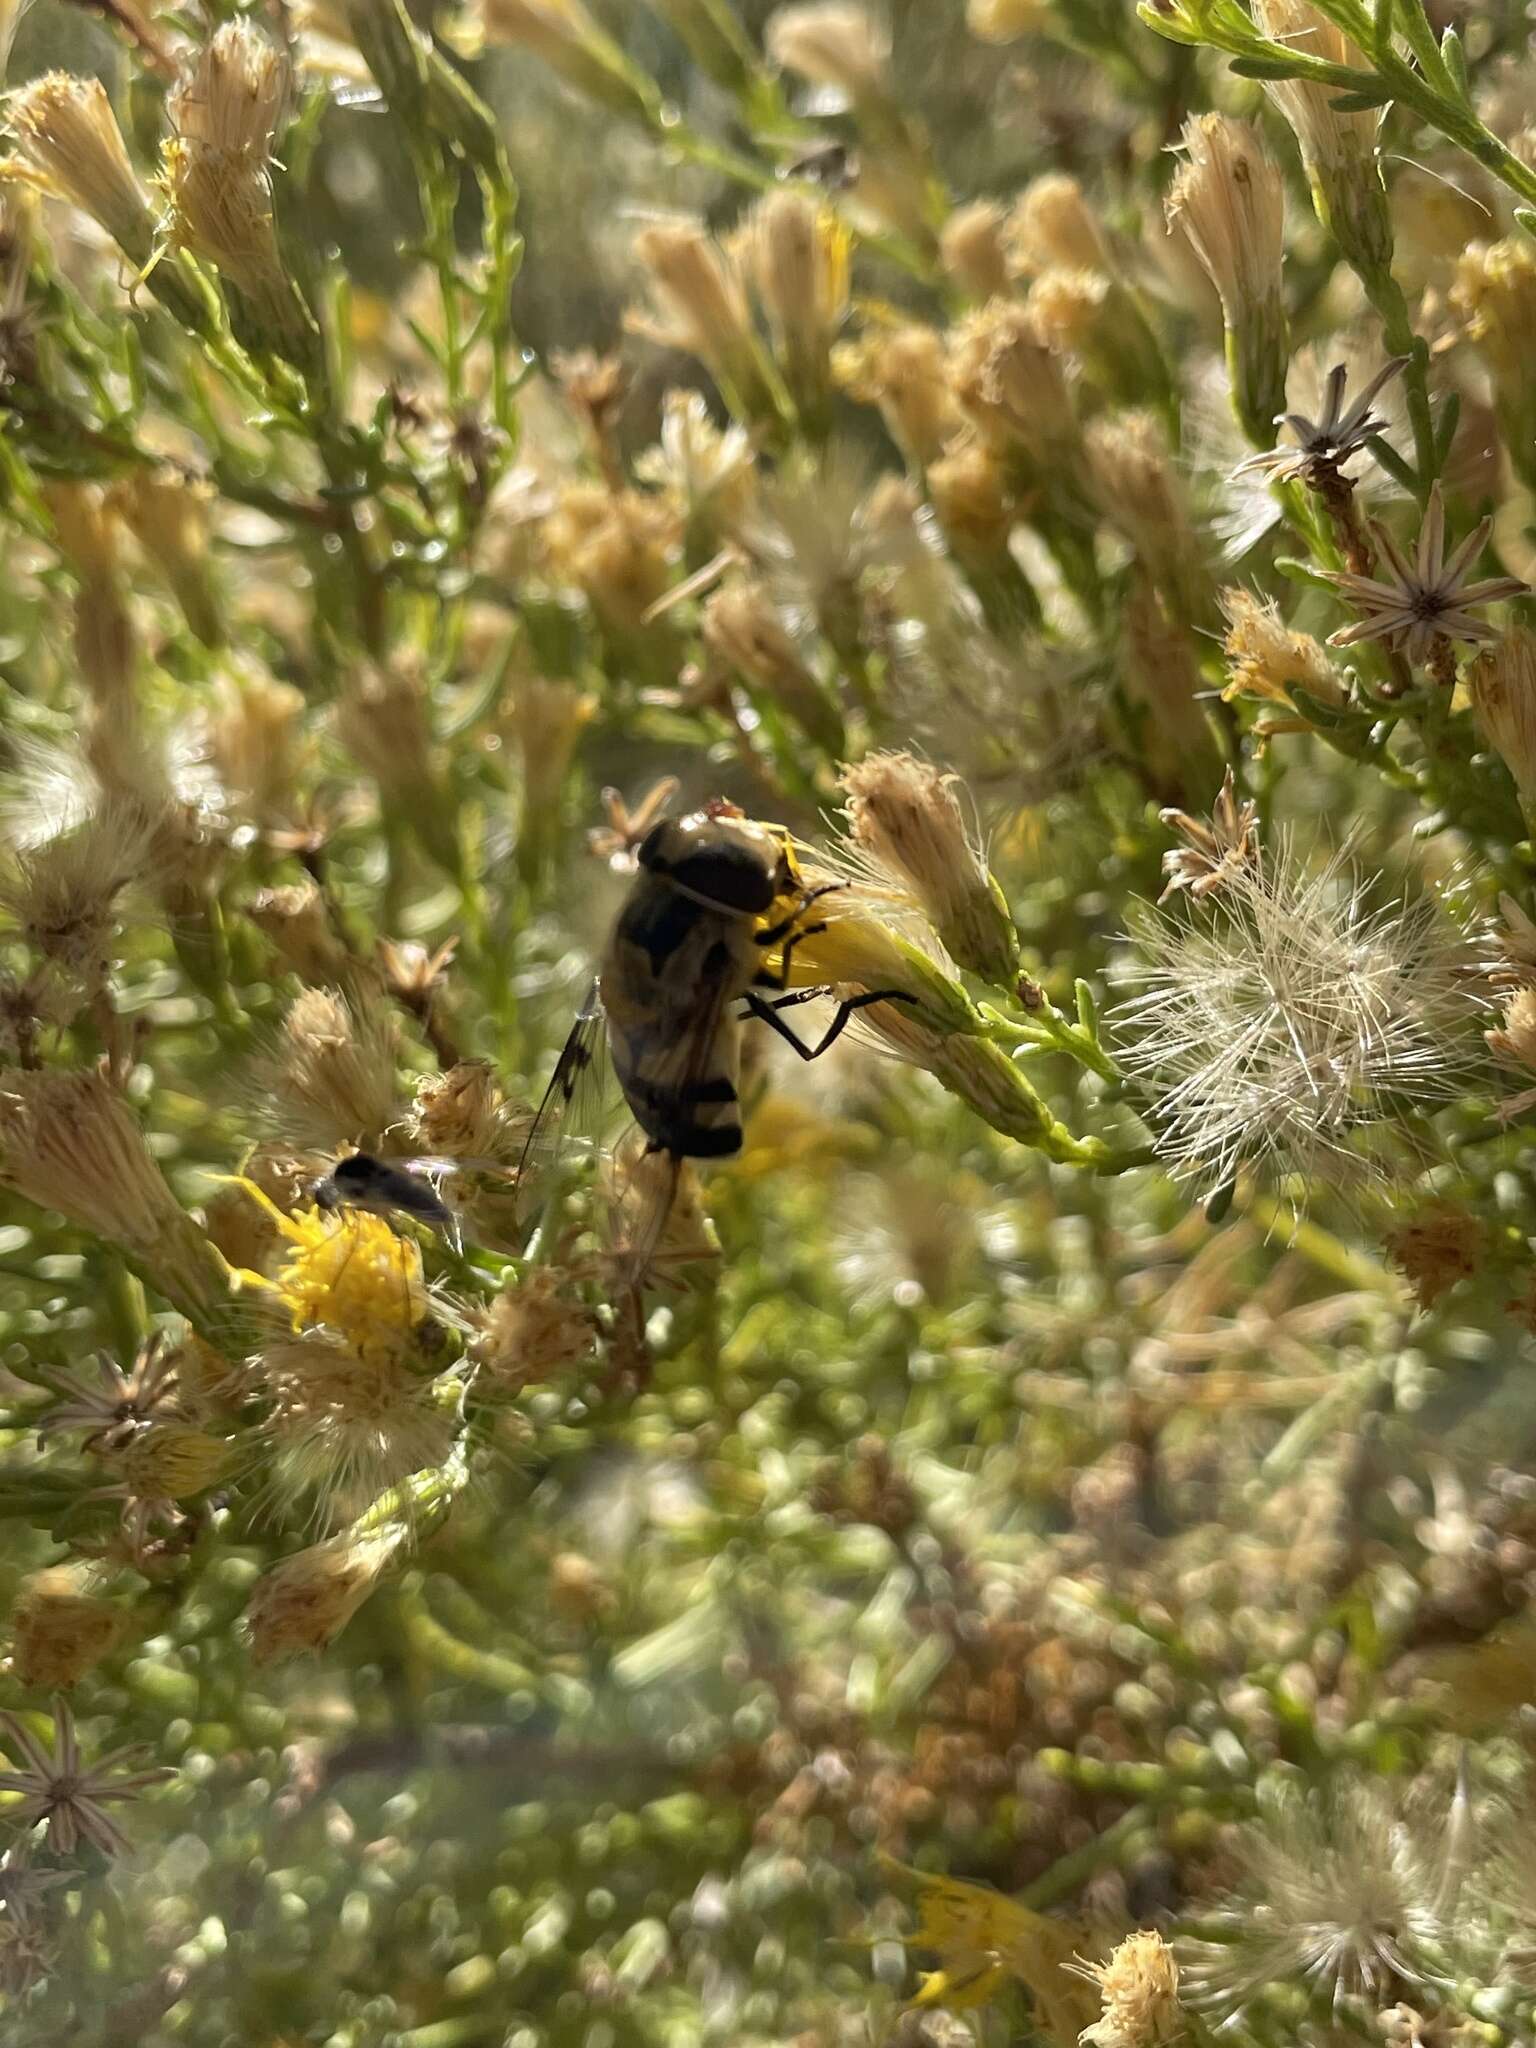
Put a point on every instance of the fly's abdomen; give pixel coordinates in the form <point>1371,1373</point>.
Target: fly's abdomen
<point>692,1114</point>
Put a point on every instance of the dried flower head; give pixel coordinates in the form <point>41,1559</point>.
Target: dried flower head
<point>344,1428</point>
<point>467,1114</point>
<point>532,1330</point>
<point>332,1078</point>
<point>709,469</point>
<point>905,815</point>
<point>1139,1984</point>
<point>1293,1017</point>
<point>67,130</point>
<point>384,720</point>
<point>69,1141</point>
<point>1425,598</point>
<point>305,1601</point>
<point>1215,850</point>
<point>617,548</point>
<point>1435,1248</point>
<point>170,1461</point>
<point>59,1631</point>
<point>63,1794</point>
<point>60,895</point>
<point>1228,198</point>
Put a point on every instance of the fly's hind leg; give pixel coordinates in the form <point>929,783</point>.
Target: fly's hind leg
<point>768,1013</point>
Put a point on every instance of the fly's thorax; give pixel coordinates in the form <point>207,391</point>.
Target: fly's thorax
<point>724,864</point>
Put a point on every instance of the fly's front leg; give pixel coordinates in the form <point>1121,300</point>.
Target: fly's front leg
<point>768,1013</point>
<point>790,932</point>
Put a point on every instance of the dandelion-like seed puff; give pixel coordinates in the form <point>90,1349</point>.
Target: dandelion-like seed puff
<point>1288,1013</point>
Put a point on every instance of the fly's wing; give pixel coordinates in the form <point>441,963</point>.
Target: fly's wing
<point>573,1111</point>
<point>693,1111</point>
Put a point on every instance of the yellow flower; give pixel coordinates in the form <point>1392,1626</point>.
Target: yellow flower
<point>349,1273</point>
<point>983,1938</point>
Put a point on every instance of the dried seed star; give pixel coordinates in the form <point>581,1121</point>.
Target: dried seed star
<point>1334,436</point>
<point>1427,598</point>
<point>64,1794</point>
<point>1218,847</point>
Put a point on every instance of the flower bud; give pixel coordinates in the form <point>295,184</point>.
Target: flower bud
<point>171,1461</point>
<point>971,249</point>
<point>167,514</point>
<point>59,1633</point>
<point>1132,471</point>
<point>1163,675</point>
<point>1338,147</point>
<point>296,921</point>
<point>218,174</point>
<point>1004,21</point>
<point>1495,295</point>
<point>85,522</point>
<point>797,255</point>
<point>901,370</point>
<point>1010,385</point>
<point>67,130</point>
<point>701,306</point>
<point>742,627</point>
<point>1229,200</point>
<point>1267,659</point>
<point>1139,1985</point>
<point>1502,681</point>
<point>1052,227</point>
<point>904,813</point>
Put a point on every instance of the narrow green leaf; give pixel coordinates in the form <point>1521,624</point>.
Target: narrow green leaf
<point>1394,464</point>
<point>1264,67</point>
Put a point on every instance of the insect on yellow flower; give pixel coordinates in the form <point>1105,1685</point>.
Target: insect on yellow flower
<point>350,1273</point>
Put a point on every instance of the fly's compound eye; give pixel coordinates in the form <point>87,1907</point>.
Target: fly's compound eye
<point>325,1194</point>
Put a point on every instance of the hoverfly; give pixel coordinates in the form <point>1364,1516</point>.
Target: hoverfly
<point>688,945</point>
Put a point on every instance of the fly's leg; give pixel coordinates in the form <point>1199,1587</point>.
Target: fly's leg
<point>768,1013</point>
<point>785,925</point>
